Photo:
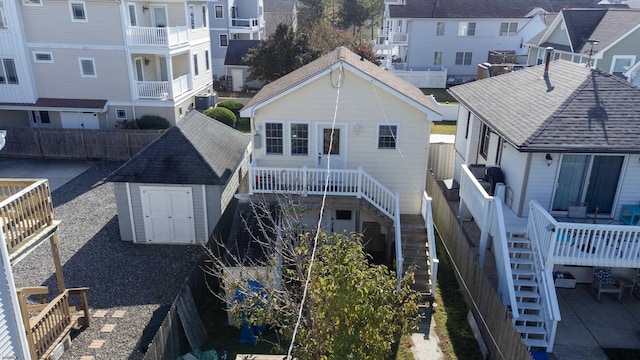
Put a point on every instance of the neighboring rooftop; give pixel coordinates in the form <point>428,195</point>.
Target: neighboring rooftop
<point>198,150</point>
<point>573,109</point>
<point>237,49</point>
<point>277,12</point>
<point>360,66</point>
<point>467,8</point>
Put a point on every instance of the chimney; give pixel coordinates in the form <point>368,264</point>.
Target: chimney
<point>547,58</point>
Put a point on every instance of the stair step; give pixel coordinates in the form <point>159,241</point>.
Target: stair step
<point>531,330</point>
<point>525,282</point>
<point>520,250</point>
<point>535,343</point>
<point>518,240</point>
<point>527,294</point>
<point>530,317</point>
<point>521,261</point>
<point>523,272</point>
<point>529,306</point>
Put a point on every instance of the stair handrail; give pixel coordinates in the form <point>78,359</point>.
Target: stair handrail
<point>499,233</point>
<point>427,215</point>
<point>398,234</point>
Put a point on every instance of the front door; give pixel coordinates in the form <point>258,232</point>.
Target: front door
<point>332,146</point>
<point>40,119</point>
<point>139,69</point>
<point>168,214</point>
<point>592,179</point>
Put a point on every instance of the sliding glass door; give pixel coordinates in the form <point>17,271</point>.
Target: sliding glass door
<point>592,179</point>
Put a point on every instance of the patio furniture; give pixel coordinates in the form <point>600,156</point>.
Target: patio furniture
<point>630,214</point>
<point>603,282</point>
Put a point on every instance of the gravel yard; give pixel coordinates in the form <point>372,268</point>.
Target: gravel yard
<point>142,280</point>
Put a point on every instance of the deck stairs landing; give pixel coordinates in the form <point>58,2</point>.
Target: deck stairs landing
<point>531,321</point>
<point>416,252</point>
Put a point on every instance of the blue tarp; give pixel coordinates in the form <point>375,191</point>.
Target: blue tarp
<point>248,333</point>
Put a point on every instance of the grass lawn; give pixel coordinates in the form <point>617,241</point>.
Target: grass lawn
<point>456,339</point>
<point>443,127</point>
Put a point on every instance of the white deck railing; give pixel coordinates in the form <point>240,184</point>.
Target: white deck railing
<point>584,244</point>
<point>397,37</point>
<point>427,215</point>
<point>158,36</point>
<point>340,182</point>
<point>487,212</point>
<point>153,89</point>
<point>181,85</point>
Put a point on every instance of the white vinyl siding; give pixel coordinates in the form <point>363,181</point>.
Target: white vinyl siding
<point>78,11</point>
<point>87,67</point>
<point>43,57</point>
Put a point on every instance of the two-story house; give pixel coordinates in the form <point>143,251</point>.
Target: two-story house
<point>457,34</point>
<point>92,64</point>
<point>233,20</point>
<point>608,39</point>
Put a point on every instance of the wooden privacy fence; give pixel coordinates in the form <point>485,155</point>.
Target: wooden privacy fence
<point>117,144</point>
<point>442,158</point>
<point>493,319</point>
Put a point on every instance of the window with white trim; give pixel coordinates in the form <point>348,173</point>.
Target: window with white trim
<point>3,18</point>
<point>204,15</point>
<point>8,72</point>
<point>440,28</point>
<point>121,114</point>
<point>32,2</point>
<point>274,138</point>
<point>78,11</point>
<point>219,14</point>
<point>299,139</point>
<point>620,64</point>
<point>508,29</point>
<point>223,40</point>
<point>466,28</point>
<point>87,67</point>
<point>387,136</point>
<point>437,58</point>
<point>463,58</point>
<point>196,71</point>
<point>485,137</point>
<point>207,63</point>
<point>43,57</point>
<point>133,17</point>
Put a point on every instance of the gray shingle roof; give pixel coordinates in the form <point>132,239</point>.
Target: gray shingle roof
<point>577,110</point>
<point>199,150</point>
<point>490,9</point>
<point>606,26</point>
<point>344,55</point>
<point>237,49</point>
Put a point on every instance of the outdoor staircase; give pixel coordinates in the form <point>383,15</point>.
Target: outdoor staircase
<point>531,320</point>
<point>416,252</point>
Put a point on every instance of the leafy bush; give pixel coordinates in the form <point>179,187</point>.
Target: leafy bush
<point>232,105</point>
<point>223,115</point>
<point>153,122</point>
<point>243,124</point>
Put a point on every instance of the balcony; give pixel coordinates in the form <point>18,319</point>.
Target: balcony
<point>160,90</point>
<point>166,37</point>
<point>245,23</point>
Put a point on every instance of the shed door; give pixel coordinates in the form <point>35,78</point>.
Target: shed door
<point>78,120</point>
<point>238,81</point>
<point>168,214</point>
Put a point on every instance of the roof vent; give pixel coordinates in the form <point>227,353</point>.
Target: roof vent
<point>547,58</point>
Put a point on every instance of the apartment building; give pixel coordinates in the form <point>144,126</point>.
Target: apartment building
<point>233,20</point>
<point>97,64</point>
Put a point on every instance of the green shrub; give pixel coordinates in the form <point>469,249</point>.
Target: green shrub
<point>153,122</point>
<point>243,124</point>
<point>232,105</point>
<point>223,115</point>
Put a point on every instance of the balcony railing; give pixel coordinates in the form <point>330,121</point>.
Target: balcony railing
<point>158,36</point>
<point>153,89</point>
<point>245,23</point>
<point>52,322</point>
<point>26,211</point>
<point>181,85</point>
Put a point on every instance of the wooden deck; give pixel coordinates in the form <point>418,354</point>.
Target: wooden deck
<point>26,220</point>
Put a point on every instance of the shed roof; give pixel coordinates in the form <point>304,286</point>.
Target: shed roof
<point>198,150</point>
<point>237,49</point>
<point>572,109</point>
<point>362,67</point>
